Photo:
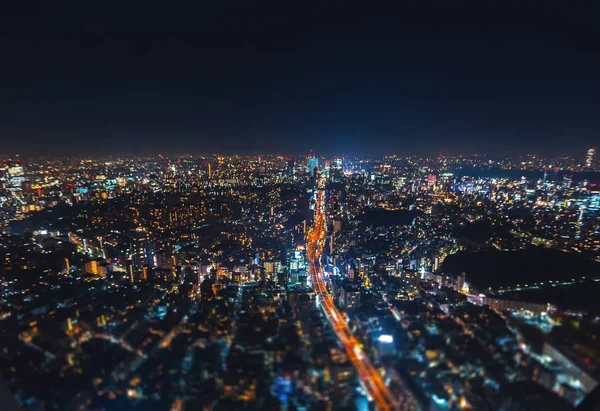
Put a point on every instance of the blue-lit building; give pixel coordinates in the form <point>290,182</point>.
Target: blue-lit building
<point>312,163</point>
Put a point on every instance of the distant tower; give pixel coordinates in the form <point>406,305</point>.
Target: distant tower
<point>336,168</point>
<point>590,157</point>
<point>209,171</point>
<point>545,176</point>
<point>67,266</point>
<point>291,165</point>
<point>13,175</point>
<point>141,249</point>
<point>312,163</point>
<point>431,180</point>
<point>337,163</point>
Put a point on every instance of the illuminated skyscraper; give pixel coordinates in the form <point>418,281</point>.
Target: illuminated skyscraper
<point>312,163</point>
<point>590,157</point>
<point>13,175</point>
<point>291,165</point>
<point>431,180</point>
<point>337,163</point>
<point>130,270</point>
<point>336,168</point>
<point>141,251</point>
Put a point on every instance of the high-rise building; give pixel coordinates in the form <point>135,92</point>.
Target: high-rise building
<point>431,180</point>
<point>141,249</point>
<point>349,296</point>
<point>291,166</point>
<point>590,157</point>
<point>312,162</point>
<point>337,163</point>
<point>95,267</point>
<point>336,168</point>
<point>13,175</point>
<point>129,266</point>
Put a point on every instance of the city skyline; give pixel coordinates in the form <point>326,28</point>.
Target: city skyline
<point>578,154</point>
<point>181,282</point>
<point>290,206</point>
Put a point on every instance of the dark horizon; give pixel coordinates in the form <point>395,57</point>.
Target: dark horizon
<point>432,153</point>
<point>238,79</point>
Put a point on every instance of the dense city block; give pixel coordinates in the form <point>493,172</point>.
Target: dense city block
<point>305,282</point>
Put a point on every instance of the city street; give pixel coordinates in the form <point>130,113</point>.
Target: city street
<point>370,377</point>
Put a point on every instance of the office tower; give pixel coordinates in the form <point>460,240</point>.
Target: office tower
<point>129,266</point>
<point>337,163</point>
<point>291,165</point>
<point>312,163</point>
<point>336,168</point>
<point>141,249</point>
<point>431,180</point>
<point>545,176</point>
<point>95,267</point>
<point>436,264</point>
<point>590,157</point>
<point>209,171</point>
<point>13,175</point>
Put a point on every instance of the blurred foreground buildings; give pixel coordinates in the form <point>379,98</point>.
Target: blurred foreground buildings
<point>182,283</point>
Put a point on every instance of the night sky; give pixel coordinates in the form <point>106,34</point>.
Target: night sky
<point>284,79</point>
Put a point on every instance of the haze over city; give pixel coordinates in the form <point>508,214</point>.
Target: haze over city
<point>297,207</point>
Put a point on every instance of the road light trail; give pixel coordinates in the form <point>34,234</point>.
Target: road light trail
<point>372,381</point>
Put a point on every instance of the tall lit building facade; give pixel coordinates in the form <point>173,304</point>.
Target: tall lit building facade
<point>290,167</point>
<point>590,157</point>
<point>13,176</point>
<point>336,168</point>
<point>312,164</point>
<point>431,180</point>
<point>141,250</point>
<point>337,163</point>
